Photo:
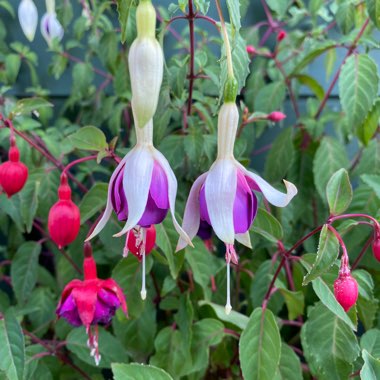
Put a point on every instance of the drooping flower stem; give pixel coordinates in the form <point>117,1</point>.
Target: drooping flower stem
<point>78,161</point>
<point>190,18</point>
<point>344,266</point>
<point>143,285</point>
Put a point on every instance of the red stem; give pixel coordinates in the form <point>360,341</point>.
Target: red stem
<point>345,216</point>
<point>362,252</point>
<point>190,17</point>
<point>78,161</point>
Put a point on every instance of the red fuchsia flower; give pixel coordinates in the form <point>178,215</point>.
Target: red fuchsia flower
<point>376,246</point>
<point>276,116</point>
<point>91,302</point>
<point>224,197</point>
<point>13,173</point>
<point>250,49</point>
<point>281,35</point>
<point>64,216</point>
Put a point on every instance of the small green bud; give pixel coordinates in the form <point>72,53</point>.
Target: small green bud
<point>230,90</point>
<point>146,19</point>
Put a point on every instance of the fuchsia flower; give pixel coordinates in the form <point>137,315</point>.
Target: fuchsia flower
<point>28,18</point>
<point>141,191</point>
<point>250,49</point>
<point>224,197</point>
<point>91,302</point>
<point>51,28</point>
<point>276,116</point>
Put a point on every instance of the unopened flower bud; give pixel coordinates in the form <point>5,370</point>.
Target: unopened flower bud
<point>276,116</point>
<point>281,35</point>
<point>346,290</point>
<point>376,248</point>
<point>250,49</point>
<point>28,18</point>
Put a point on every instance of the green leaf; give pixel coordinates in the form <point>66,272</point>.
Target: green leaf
<point>12,65</point>
<point>280,157</point>
<point>367,130</point>
<point>166,240</point>
<point>313,85</point>
<point>93,201</point>
<point>358,87</point>
<point>237,319</point>
<point>12,347</point>
<point>233,7</point>
<point>24,270</point>
<point>328,250</point>
<point>270,97</point>
<point>260,346</point>
<point>329,157</point>
<point>290,365</point>
<point>202,264</point>
<point>371,368</point>
<point>136,371</point>
<point>339,192</point>
<point>345,16</point>
<point>123,9</point>
<point>267,226</point>
<point>26,106</point>
<point>172,354</point>
<point>280,7</point>
<point>370,161</point>
<point>370,341</point>
<point>373,8</point>
<point>89,138</point>
<point>373,181</point>
<point>110,348</point>
<point>295,302</point>
<point>329,345</point>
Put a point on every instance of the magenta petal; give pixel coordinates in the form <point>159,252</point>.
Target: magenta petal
<point>105,307</point>
<point>245,206</point>
<point>108,298</point>
<point>69,311</point>
<point>159,187</point>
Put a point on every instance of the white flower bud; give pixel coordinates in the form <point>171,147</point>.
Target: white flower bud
<point>51,27</point>
<point>28,18</point>
<point>146,64</point>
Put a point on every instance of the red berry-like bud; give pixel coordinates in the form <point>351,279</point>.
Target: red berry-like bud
<point>276,116</point>
<point>13,173</point>
<point>346,291</point>
<point>281,35</point>
<point>376,248</point>
<point>134,243</point>
<point>64,217</point>
<point>250,49</point>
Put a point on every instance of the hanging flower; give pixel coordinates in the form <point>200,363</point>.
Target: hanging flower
<point>64,216</point>
<point>91,302</point>
<point>224,197</point>
<point>141,191</point>
<point>13,173</point>
<point>51,28</point>
<point>28,18</point>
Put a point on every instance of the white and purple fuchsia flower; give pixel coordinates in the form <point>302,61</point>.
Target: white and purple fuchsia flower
<point>28,18</point>
<point>141,191</point>
<point>51,28</point>
<point>224,197</point>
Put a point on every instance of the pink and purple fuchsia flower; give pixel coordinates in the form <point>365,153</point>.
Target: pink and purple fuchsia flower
<point>224,197</point>
<point>141,191</point>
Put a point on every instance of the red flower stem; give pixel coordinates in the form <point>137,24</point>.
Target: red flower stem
<point>190,17</point>
<point>208,19</point>
<point>336,77</point>
<point>59,355</point>
<point>299,242</point>
<point>346,216</point>
<point>71,261</point>
<point>345,258</point>
<point>362,252</point>
<point>291,323</point>
<point>78,161</point>
<point>231,332</point>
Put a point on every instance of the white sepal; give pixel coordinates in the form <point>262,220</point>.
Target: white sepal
<point>220,192</point>
<point>244,239</point>
<point>191,218</point>
<point>28,18</point>
<point>228,121</point>
<point>136,183</point>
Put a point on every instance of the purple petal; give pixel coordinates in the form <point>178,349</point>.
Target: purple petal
<point>105,307</point>
<point>205,230</point>
<point>159,187</point>
<point>203,206</point>
<point>119,202</point>
<point>69,311</point>
<point>245,206</point>
<point>152,214</point>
